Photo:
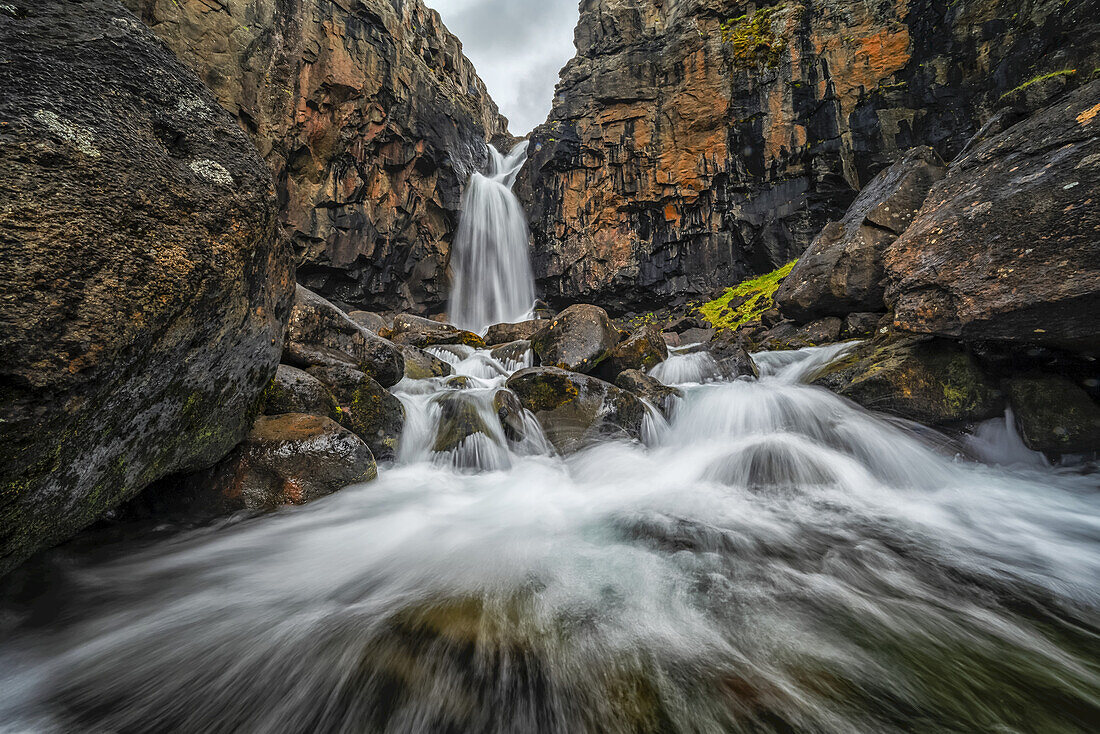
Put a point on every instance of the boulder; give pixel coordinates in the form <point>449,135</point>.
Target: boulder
<point>578,339</point>
<point>731,351</point>
<point>373,322</point>
<point>575,409</point>
<point>1054,415</point>
<point>419,365</point>
<point>459,418</point>
<point>288,459</point>
<point>510,413</point>
<point>512,352</point>
<point>843,270</point>
<point>296,391</point>
<point>643,350</point>
<point>366,408</point>
<point>650,389</point>
<point>419,332</point>
<point>860,325</point>
<point>503,333</point>
<point>144,280</point>
<point>932,381</point>
<point>1007,246</point>
<point>319,334</point>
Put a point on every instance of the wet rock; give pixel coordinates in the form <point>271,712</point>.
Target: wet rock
<point>459,419</point>
<point>144,279</point>
<point>288,459</point>
<point>731,351</point>
<point>296,391</point>
<point>650,389</point>
<point>319,334</point>
<point>503,333</point>
<point>672,339</point>
<point>419,365</point>
<point>843,270</point>
<point>419,332</point>
<point>860,325</point>
<point>512,353</point>
<point>510,413</point>
<point>643,350</point>
<point>696,336</point>
<point>366,408</point>
<point>788,335</point>
<point>371,321</point>
<point>371,119</point>
<point>575,409</point>
<point>1007,246</point>
<point>458,382</point>
<point>578,339</point>
<point>931,381</point>
<point>1054,415</point>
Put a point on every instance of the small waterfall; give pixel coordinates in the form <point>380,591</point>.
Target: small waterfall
<point>493,282</point>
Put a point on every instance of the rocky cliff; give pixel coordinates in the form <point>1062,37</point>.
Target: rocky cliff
<point>370,118</point>
<point>694,142</point>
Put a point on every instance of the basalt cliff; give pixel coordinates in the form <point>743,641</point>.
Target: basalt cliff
<point>693,143</point>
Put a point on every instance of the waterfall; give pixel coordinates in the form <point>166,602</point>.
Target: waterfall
<point>493,282</point>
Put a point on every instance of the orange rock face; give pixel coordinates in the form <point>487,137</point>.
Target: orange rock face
<point>371,119</point>
<point>694,142</point>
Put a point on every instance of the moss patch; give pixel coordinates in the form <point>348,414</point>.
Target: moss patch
<point>1036,80</point>
<point>754,40</point>
<point>745,301</point>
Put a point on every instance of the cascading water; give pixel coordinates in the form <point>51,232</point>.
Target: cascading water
<point>775,560</point>
<point>491,267</point>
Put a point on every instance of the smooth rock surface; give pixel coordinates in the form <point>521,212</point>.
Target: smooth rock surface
<point>577,339</point>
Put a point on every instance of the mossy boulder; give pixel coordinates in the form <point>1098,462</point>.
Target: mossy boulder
<point>931,381</point>
<point>577,339</point>
<point>419,365</point>
<point>1054,415</point>
<point>459,418</point>
<point>366,408</point>
<point>660,396</point>
<point>503,333</point>
<point>296,391</point>
<point>319,334</point>
<point>416,331</point>
<point>643,350</point>
<point>575,409</point>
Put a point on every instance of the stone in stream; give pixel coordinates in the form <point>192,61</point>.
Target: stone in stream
<point>577,339</point>
<point>659,395</point>
<point>416,331</point>
<point>576,409</point>
<point>503,333</point>
<point>419,365</point>
<point>510,413</point>
<point>512,352</point>
<point>144,279</point>
<point>643,350</point>
<point>288,459</point>
<point>732,355</point>
<point>296,391</point>
<point>460,417</point>
<point>366,408</point>
<point>320,334</point>
<point>1054,415</point>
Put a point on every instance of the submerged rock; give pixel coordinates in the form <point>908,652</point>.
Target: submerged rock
<point>1054,415</point>
<point>503,333</point>
<point>296,391</point>
<point>578,339</point>
<point>320,334</point>
<point>366,408</point>
<point>144,278</point>
<point>575,409</point>
<point>650,389</point>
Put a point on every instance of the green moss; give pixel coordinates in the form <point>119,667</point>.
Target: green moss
<point>1040,78</point>
<point>754,40</point>
<point>745,301</point>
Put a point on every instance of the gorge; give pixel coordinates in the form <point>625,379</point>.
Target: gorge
<point>756,390</point>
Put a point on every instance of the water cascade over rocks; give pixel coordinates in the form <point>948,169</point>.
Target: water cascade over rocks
<point>773,559</point>
<point>493,281</point>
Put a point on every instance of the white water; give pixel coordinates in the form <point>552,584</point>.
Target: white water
<point>491,267</point>
<point>777,561</point>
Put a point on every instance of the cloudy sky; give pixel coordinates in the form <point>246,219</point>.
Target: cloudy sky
<point>517,46</point>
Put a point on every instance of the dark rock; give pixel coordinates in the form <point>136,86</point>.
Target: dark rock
<point>419,332</point>
<point>319,334</point>
<point>288,459</point>
<point>771,317</point>
<point>503,333</point>
<point>686,323</point>
<point>931,381</point>
<point>1007,246</point>
<point>860,325</point>
<point>513,352</point>
<point>419,365</point>
<point>731,351</point>
<point>672,339</point>
<point>650,389</point>
<point>296,391</point>
<point>510,413</point>
<point>371,119</point>
<point>696,336</point>
<point>575,409</point>
<point>643,350</point>
<point>843,271</point>
<point>1054,415</point>
<point>143,277</point>
<point>371,321</point>
<point>366,408</point>
<point>578,339</point>
<point>459,419</point>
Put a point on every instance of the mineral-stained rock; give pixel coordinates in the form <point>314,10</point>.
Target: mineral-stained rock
<point>366,408</point>
<point>681,155</point>
<point>319,334</point>
<point>419,365</point>
<point>931,381</point>
<point>296,391</point>
<point>1007,246</point>
<point>578,339</point>
<point>660,396</point>
<point>842,271</point>
<point>575,409</point>
<point>144,281</point>
<point>371,119</point>
<point>287,459</point>
<point>644,350</point>
<point>419,332</point>
<point>503,333</point>
<point>1054,415</point>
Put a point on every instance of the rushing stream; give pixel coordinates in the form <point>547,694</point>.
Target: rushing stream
<point>774,560</point>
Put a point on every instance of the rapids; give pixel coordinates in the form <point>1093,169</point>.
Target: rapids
<point>775,559</point>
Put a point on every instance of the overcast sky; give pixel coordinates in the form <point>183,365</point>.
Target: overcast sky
<point>517,46</point>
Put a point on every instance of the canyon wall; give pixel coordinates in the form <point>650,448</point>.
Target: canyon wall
<point>695,142</point>
<point>370,118</point>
